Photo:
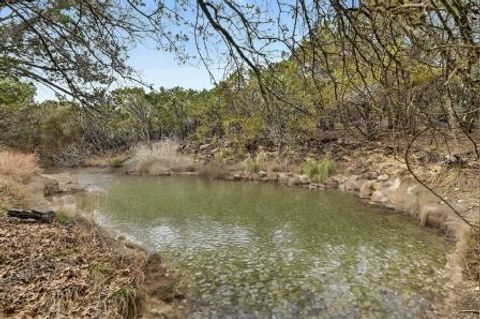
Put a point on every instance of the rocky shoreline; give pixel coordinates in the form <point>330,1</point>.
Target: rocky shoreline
<point>387,183</point>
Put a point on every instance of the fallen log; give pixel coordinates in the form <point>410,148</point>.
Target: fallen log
<point>44,217</point>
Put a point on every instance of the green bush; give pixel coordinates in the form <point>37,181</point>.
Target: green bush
<point>319,171</point>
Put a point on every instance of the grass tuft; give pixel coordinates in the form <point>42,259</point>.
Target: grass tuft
<point>62,218</point>
<point>160,158</point>
<point>319,171</point>
<point>19,166</point>
<point>16,170</point>
<point>256,164</point>
<point>128,301</point>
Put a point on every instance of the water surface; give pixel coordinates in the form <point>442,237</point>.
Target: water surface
<point>263,251</point>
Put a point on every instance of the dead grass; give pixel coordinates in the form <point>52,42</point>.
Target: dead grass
<point>472,255</point>
<point>109,159</point>
<point>16,170</point>
<point>19,166</point>
<point>214,170</point>
<point>160,159</point>
<point>65,271</point>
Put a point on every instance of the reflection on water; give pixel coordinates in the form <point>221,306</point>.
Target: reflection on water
<point>264,251</point>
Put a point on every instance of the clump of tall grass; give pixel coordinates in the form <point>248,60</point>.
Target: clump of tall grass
<point>16,169</point>
<point>319,171</point>
<point>128,301</point>
<point>255,164</point>
<point>160,158</point>
<point>19,166</point>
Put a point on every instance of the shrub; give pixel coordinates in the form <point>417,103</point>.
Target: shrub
<point>319,171</point>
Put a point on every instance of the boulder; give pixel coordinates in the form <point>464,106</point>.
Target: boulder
<point>262,173</point>
<point>365,190</point>
<point>383,178</point>
<point>372,175</point>
<point>433,214</point>
<point>294,180</point>
<point>304,179</point>
<point>205,147</point>
<point>51,187</point>
<point>331,183</point>
<point>237,177</point>
<point>378,197</point>
<point>353,183</point>
<point>283,178</point>
<point>270,178</point>
<point>255,177</point>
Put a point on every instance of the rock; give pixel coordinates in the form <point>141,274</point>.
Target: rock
<point>378,197</point>
<point>304,179</point>
<point>262,173</point>
<point>270,178</point>
<point>455,160</point>
<point>352,183</point>
<point>340,179</point>
<point>292,181</point>
<point>331,183</point>
<point>237,177</point>
<point>255,177</point>
<point>365,190</point>
<point>377,186</point>
<point>51,187</point>
<point>373,175</point>
<point>205,147</point>
<point>383,177</point>
<point>43,217</point>
<point>228,177</point>
<point>283,178</point>
<point>160,172</point>
<point>432,214</point>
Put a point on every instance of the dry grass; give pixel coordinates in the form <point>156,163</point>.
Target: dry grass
<point>19,166</point>
<point>214,170</point>
<point>67,270</point>
<point>160,159</point>
<point>472,255</point>
<point>109,159</point>
<point>16,170</point>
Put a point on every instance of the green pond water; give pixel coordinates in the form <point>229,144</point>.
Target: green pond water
<point>248,250</point>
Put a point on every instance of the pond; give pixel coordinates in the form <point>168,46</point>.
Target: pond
<point>249,250</point>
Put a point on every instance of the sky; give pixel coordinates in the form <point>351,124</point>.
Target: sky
<point>158,68</point>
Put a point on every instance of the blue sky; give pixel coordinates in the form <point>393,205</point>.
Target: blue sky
<point>158,68</point>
